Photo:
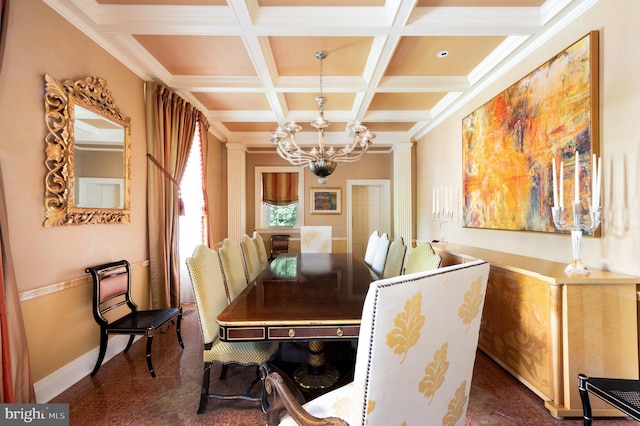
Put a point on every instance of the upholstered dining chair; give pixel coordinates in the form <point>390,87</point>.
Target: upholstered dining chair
<point>315,239</point>
<point>205,271</point>
<point>371,247</point>
<point>262,250</point>
<point>380,255</point>
<point>422,258</point>
<point>395,258</point>
<point>417,346</point>
<point>250,258</point>
<point>233,272</point>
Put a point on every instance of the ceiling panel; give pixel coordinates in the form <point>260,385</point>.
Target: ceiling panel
<point>421,55</point>
<point>250,65</point>
<point>199,55</point>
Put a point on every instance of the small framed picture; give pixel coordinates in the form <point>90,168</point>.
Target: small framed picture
<point>326,201</point>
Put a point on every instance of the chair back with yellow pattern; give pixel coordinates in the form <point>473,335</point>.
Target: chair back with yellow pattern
<point>233,272</point>
<point>252,267</point>
<point>395,258</point>
<point>416,349</point>
<point>208,289</point>
<point>262,250</point>
<point>422,258</point>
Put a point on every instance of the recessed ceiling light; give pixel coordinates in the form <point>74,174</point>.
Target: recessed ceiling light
<point>442,53</point>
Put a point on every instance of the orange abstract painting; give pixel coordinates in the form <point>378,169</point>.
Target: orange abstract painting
<point>509,143</point>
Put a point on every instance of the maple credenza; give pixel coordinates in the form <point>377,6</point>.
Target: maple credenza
<point>545,327</point>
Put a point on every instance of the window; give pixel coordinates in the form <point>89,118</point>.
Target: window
<point>285,216</point>
<point>279,216</point>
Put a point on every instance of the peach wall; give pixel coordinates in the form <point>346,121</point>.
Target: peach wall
<point>371,166</point>
<point>60,326</point>
<point>439,154</point>
<point>217,187</point>
<point>53,46</point>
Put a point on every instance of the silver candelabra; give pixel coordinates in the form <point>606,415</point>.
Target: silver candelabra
<point>442,216</point>
<point>577,227</point>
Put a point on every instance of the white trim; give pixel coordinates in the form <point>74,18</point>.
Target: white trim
<point>62,379</point>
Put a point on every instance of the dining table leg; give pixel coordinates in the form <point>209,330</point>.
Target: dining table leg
<point>316,374</point>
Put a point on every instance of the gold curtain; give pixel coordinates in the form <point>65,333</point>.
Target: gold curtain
<point>171,123</point>
<point>280,189</point>
<point>204,151</point>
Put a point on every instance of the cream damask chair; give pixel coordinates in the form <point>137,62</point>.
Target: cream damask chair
<point>417,346</point>
<point>422,258</point>
<point>252,267</point>
<point>205,271</point>
<point>371,247</point>
<point>395,258</point>
<point>235,277</point>
<point>380,255</point>
<point>315,239</point>
<point>262,250</point>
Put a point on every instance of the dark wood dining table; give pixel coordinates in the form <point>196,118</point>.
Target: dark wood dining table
<point>302,296</point>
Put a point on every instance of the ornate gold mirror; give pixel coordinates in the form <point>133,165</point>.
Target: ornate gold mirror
<point>87,154</point>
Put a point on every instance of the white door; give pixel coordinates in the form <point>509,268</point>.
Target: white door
<point>368,207</point>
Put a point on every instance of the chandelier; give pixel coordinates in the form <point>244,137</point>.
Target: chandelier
<point>322,160</point>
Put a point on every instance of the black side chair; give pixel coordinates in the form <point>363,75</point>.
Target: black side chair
<point>623,394</point>
<point>111,292</point>
<point>279,244</point>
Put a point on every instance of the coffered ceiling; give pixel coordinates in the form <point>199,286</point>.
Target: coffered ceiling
<point>398,66</point>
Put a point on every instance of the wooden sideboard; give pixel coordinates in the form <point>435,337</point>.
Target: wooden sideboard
<point>545,327</point>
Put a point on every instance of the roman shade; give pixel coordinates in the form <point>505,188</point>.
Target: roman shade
<point>280,189</point>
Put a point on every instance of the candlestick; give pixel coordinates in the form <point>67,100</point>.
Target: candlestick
<point>577,227</point>
<point>598,183</point>
<point>555,183</point>
<point>433,204</point>
<point>576,196</point>
<point>444,208</point>
<point>594,175</point>
<point>562,184</point>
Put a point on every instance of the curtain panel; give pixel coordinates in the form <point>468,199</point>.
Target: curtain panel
<point>17,385</point>
<point>171,125</point>
<point>280,189</point>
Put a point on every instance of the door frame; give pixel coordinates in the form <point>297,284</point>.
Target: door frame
<point>385,208</point>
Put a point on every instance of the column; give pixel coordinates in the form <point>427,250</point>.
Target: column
<point>402,216</point>
<point>236,191</point>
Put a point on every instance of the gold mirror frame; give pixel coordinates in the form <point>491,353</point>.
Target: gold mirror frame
<point>60,99</point>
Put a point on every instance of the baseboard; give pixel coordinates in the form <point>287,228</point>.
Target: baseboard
<point>62,379</point>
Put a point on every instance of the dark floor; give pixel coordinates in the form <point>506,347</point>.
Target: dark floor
<point>123,392</point>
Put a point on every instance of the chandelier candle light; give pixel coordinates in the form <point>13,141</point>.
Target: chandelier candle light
<point>442,208</point>
<point>320,160</point>
<point>577,227</point>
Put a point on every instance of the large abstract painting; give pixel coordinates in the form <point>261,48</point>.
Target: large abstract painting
<point>509,143</point>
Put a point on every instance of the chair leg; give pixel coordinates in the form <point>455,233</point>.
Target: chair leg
<point>129,344</point>
<point>149,363</point>
<point>104,339</point>
<point>264,401</point>
<point>204,392</point>
<point>223,371</point>
<point>178,329</point>
<point>256,380</point>
<point>584,396</point>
